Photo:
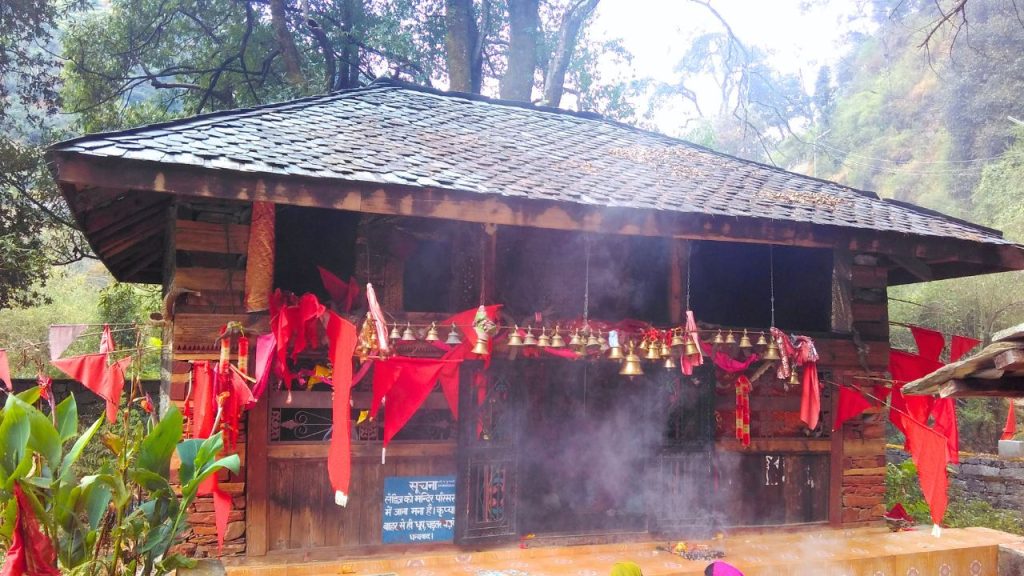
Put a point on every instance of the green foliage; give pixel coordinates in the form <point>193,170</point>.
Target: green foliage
<point>902,486</point>
<point>122,517</point>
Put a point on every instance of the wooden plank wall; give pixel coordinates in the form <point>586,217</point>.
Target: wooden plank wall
<point>206,268</point>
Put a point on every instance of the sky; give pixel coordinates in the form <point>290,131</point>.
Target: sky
<point>801,35</point>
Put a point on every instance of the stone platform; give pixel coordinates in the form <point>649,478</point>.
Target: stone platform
<point>872,551</point>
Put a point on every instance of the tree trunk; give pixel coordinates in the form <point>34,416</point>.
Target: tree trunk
<point>463,46</point>
<point>352,28</point>
<point>517,84</point>
<point>568,36</point>
<point>290,53</point>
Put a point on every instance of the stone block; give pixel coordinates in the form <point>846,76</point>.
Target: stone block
<point>1011,448</point>
<point>1013,473</point>
<point>979,470</point>
<point>1010,560</point>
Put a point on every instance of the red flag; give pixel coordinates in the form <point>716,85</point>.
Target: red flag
<point>944,413</point>
<point>92,371</point>
<point>107,340</point>
<point>1010,430</point>
<point>342,294</point>
<point>961,345</point>
<point>341,335</point>
<point>904,368</point>
<point>418,376</point>
<point>810,398</point>
<point>851,403</point>
<point>266,345</point>
<point>31,552</point>
<point>929,342</point>
<point>204,415</point>
<point>929,452</point>
<point>5,370</point>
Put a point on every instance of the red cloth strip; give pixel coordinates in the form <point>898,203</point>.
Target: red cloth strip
<point>929,342</point>
<point>341,335</point>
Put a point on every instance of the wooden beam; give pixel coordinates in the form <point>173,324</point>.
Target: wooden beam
<point>1010,360</point>
<point>842,291</point>
<point>1010,387</point>
<point>71,168</point>
<point>915,266</point>
<point>678,259</point>
<point>211,237</point>
<point>256,493</point>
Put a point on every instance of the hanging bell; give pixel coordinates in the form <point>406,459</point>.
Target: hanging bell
<point>794,379</point>
<point>395,334</point>
<point>718,338</point>
<point>631,367</point>
<point>670,363</point>
<point>407,334</point>
<point>481,344</point>
<point>615,353</point>
<point>772,352</point>
<point>677,338</point>
<point>544,340</point>
<point>601,340</point>
<point>432,333</point>
<point>529,340</point>
<point>556,339</point>
<point>730,338</point>
<point>745,340</point>
<point>592,341</point>
<point>514,339</point>
<point>644,345</point>
<point>690,348</point>
<point>653,351</point>
<point>575,340</point>
<point>453,337</point>
<point>761,340</point>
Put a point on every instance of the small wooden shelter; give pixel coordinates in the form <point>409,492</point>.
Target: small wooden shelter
<point>996,370</point>
<point>445,201</point>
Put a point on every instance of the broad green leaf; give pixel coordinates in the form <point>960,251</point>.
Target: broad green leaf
<point>187,451</point>
<point>7,521</point>
<point>43,436</point>
<point>173,562</point>
<point>117,488</point>
<point>30,396</point>
<point>230,462</point>
<point>158,446</point>
<point>14,433</point>
<point>76,450</point>
<point>67,418</point>
<point>159,538</point>
<point>93,503</point>
<point>148,479</point>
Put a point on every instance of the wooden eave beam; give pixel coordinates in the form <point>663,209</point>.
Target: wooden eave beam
<point>915,266</point>
<point>961,387</point>
<point>80,170</point>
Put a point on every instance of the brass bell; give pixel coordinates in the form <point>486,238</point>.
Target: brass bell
<point>529,340</point>
<point>395,334</point>
<point>690,348</point>
<point>631,367</point>
<point>644,345</point>
<point>407,334</point>
<point>730,338</point>
<point>432,333</point>
<point>670,363</point>
<point>718,338</point>
<point>615,353</point>
<point>794,379</point>
<point>772,352</point>
<point>677,338</point>
<point>653,351</point>
<point>481,344</point>
<point>761,340</point>
<point>453,337</point>
<point>601,340</point>
<point>556,339</point>
<point>544,339</point>
<point>575,340</point>
<point>514,339</point>
<point>745,340</point>
<point>592,341</point>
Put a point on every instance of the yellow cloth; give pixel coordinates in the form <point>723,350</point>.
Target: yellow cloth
<point>626,569</point>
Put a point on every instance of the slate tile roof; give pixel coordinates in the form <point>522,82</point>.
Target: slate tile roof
<point>394,133</point>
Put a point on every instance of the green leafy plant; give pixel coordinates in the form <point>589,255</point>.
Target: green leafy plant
<point>122,518</point>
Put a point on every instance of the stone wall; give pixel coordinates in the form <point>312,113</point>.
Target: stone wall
<point>1000,482</point>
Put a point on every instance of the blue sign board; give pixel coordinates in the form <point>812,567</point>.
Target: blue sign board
<point>419,509</point>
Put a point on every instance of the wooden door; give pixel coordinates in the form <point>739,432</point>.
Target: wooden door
<point>488,430</point>
<point>680,472</point>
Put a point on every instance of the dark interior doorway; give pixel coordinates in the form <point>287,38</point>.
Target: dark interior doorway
<point>583,449</point>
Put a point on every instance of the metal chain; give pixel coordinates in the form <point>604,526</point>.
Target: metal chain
<point>689,256</point>
<point>771,272</point>
<point>586,276</point>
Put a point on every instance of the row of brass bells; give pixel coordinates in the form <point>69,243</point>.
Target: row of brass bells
<point>514,339</point>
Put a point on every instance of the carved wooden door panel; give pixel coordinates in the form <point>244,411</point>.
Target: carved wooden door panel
<point>488,430</point>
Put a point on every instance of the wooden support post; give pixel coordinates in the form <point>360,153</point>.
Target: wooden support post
<point>842,291</point>
<point>678,258</point>
<point>836,464</point>
<point>257,437</point>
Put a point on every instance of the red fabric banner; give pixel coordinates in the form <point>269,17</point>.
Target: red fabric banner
<point>944,414</point>
<point>929,451</point>
<point>904,368</point>
<point>92,371</point>
<point>31,552</point>
<point>266,345</point>
<point>851,403</point>
<point>107,340</point>
<point>341,336</point>
<point>1010,429</point>
<point>204,416</point>
<point>961,345</point>
<point>929,342</point>
<point>406,382</point>
<point>810,397</point>
<point>5,370</point>
<point>342,293</point>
